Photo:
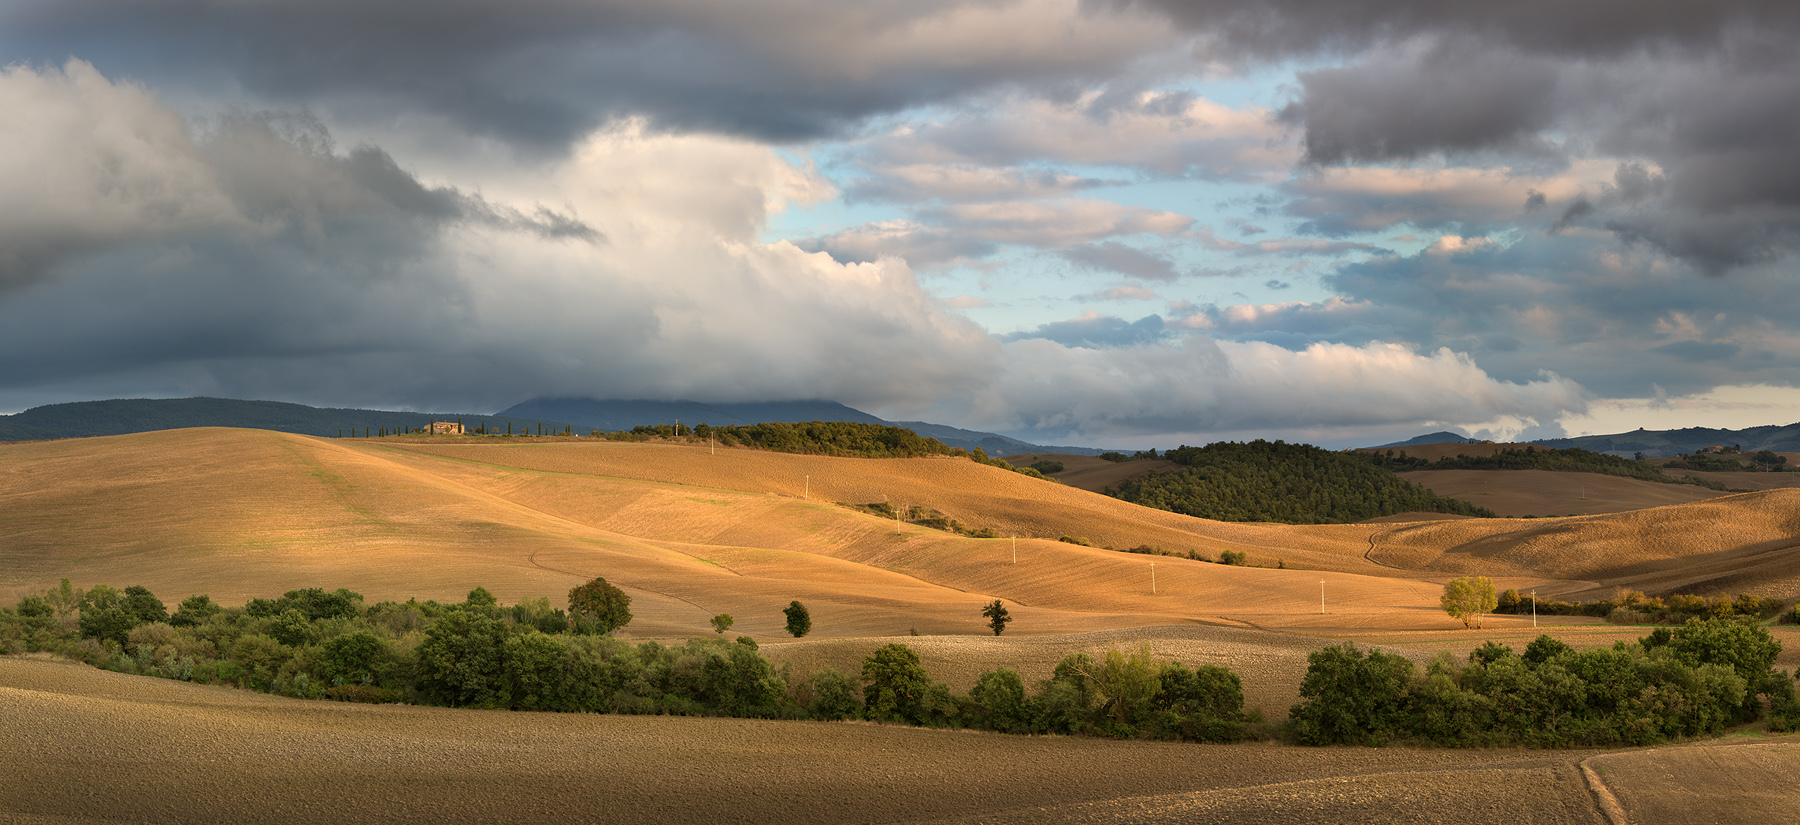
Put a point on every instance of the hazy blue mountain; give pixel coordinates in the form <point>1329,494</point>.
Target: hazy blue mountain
<point>1780,439</point>
<point>82,419</point>
<point>1784,439</point>
<point>609,416</point>
<point>1428,438</point>
<point>993,443</point>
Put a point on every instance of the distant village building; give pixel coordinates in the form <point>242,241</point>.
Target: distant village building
<point>446,428</point>
<point>1714,449</point>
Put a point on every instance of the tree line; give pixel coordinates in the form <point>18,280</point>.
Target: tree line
<point>1281,482</point>
<point>1694,680</point>
<point>319,644</point>
<point>1567,460</point>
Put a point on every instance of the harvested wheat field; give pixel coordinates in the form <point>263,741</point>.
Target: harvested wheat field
<point>1092,473</point>
<point>690,531</point>
<point>1525,493</point>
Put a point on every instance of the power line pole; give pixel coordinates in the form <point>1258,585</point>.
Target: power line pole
<point>1152,578</point>
<point>1321,597</point>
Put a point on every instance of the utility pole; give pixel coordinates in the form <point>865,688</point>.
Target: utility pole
<point>1015,549</point>
<point>808,494</point>
<point>1534,607</point>
<point>1321,597</point>
<point>1152,578</point>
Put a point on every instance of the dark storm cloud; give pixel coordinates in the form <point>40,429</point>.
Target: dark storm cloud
<point>1455,96</point>
<point>1706,93</point>
<point>1277,28</point>
<point>542,72</point>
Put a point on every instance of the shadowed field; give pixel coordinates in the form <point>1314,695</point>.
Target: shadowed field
<point>689,531</point>
<point>84,746</point>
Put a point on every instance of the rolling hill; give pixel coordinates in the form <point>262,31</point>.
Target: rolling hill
<point>693,531</point>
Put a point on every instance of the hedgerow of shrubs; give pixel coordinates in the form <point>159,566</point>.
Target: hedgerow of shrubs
<point>1695,680</point>
<point>531,656</point>
<point>1689,681</point>
<point>1633,607</point>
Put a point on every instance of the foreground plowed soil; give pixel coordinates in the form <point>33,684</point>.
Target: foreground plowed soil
<point>79,746</point>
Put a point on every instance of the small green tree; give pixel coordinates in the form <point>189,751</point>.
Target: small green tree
<point>608,605</point>
<point>721,623</point>
<point>1468,598</point>
<point>799,621</point>
<point>996,616</point>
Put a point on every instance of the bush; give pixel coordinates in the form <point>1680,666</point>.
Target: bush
<point>1352,697</point>
<point>831,695</point>
<point>999,698</point>
<point>894,686</point>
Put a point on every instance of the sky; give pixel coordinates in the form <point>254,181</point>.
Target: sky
<point>1118,223</point>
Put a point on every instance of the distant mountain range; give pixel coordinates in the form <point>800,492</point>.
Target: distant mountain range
<point>1442,437</point>
<point>84,419</point>
<point>1651,442</point>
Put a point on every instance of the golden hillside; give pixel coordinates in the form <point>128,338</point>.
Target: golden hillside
<point>691,531</point>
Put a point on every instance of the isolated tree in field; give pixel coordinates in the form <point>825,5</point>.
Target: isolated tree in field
<point>721,623</point>
<point>608,605</point>
<point>1467,598</point>
<point>996,616</point>
<point>799,622</point>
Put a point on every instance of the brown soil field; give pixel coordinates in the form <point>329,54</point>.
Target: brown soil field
<point>84,746</point>
<point>690,531</point>
<point>1529,493</point>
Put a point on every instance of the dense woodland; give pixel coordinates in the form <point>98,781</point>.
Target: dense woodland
<point>1281,482</point>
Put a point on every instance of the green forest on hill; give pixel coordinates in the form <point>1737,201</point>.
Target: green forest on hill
<point>1281,482</point>
<point>845,439</point>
